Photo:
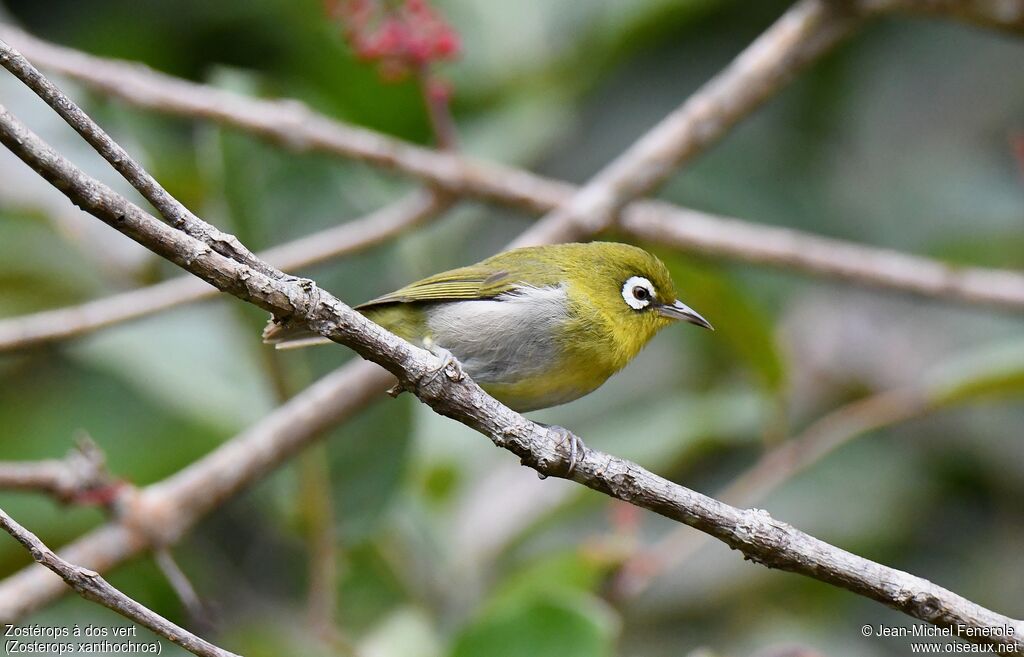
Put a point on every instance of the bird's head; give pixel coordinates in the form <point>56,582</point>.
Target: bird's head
<point>633,292</point>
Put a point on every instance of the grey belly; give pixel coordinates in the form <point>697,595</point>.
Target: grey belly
<point>502,340</point>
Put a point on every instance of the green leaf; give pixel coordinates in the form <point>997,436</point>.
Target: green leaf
<point>547,626</point>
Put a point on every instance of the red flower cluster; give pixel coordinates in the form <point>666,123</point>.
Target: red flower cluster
<point>403,36</point>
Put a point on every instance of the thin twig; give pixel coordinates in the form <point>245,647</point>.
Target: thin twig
<point>50,326</point>
<point>173,211</point>
<point>183,588</point>
<point>91,586</point>
<point>438,111</point>
<point>293,125</point>
<point>791,249</point>
<point>76,477</point>
<point>755,533</point>
<point>158,514</point>
<point>803,34</point>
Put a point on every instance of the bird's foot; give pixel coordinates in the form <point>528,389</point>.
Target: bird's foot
<point>450,365</point>
<point>577,448</point>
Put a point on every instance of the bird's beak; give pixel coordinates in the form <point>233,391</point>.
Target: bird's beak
<point>679,310</point>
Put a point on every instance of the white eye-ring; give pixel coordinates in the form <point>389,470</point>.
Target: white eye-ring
<point>638,292</point>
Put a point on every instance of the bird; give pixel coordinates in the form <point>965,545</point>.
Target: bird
<point>534,327</point>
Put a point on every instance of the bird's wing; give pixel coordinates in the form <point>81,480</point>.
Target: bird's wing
<point>473,282</point>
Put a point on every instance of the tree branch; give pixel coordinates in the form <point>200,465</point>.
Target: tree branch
<point>74,321</point>
<point>292,125</point>
<point>787,248</point>
<point>808,30</point>
<point>183,588</point>
<point>81,472</point>
<point>822,437</point>
<point>174,212</point>
<point>157,515</point>
<point>91,586</point>
<point>760,537</point>
<point>774,468</point>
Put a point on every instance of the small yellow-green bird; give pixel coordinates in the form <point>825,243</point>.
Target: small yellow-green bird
<point>534,327</point>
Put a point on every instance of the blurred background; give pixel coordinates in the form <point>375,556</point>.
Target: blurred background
<point>438,544</point>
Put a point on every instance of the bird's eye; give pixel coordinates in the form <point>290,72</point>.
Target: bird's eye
<point>638,292</point>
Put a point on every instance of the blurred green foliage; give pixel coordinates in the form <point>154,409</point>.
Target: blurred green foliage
<point>444,545</point>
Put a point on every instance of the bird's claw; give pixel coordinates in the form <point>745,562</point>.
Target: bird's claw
<point>448,362</point>
<point>577,448</point>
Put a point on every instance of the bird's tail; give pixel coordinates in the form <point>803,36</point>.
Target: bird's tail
<point>283,336</point>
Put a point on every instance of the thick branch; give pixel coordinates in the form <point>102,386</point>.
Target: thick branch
<point>818,440</point>
<point>292,125</point>
<point>774,468</point>
<point>63,323</point>
<point>90,585</point>
<point>760,537</point>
